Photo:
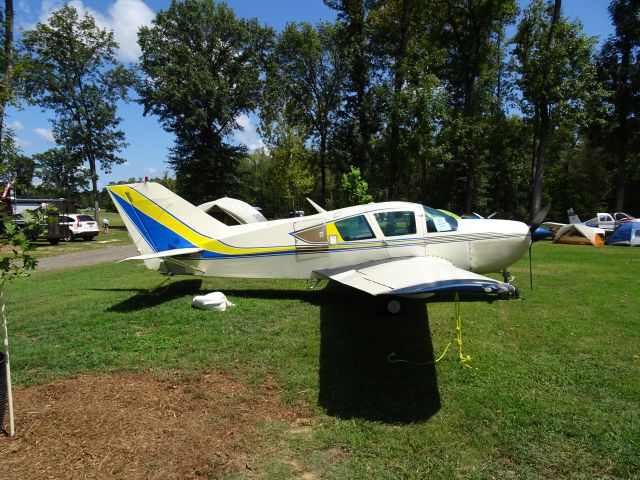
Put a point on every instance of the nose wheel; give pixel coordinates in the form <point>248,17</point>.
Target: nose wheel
<point>394,307</point>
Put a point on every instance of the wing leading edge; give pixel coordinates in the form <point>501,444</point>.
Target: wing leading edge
<point>418,276</point>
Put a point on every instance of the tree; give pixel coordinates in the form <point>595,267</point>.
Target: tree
<point>467,32</point>
<point>354,188</point>
<point>556,77</point>
<point>359,122</point>
<point>23,168</point>
<point>60,173</point>
<point>289,176</point>
<point>621,71</point>
<point>304,79</point>
<point>7,68</point>
<point>202,66</point>
<point>72,70</point>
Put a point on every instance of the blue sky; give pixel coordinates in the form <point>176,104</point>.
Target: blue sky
<point>148,144</point>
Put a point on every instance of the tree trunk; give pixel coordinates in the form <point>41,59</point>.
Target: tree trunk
<point>7,74</point>
<point>356,13</point>
<point>323,169</point>
<point>470,152</point>
<point>423,179</point>
<point>395,155</point>
<point>621,164</point>
<point>544,130</point>
<point>622,112</point>
<point>538,169</point>
<point>94,189</point>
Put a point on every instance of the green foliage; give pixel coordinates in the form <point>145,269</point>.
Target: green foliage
<point>555,72</point>
<point>72,70</point>
<point>559,76</point>
<point>24,169</point>
<point>256,186</point>
<point>619,71</point>
<point>58,169</point>
<point>289,176</point>
<point>305,75</point>
<point>354,188</point>
<point>19,261</point>
<point>202,70</point>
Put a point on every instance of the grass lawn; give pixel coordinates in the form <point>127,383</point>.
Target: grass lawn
<point>553,392</point>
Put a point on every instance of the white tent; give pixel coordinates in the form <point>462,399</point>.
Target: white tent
<point>578,234</point>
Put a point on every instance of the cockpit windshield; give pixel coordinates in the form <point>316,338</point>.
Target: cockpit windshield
<point>438,221</point>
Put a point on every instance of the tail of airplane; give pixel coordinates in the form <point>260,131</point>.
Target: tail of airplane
<point>573,216</point>
<point>159,220</point>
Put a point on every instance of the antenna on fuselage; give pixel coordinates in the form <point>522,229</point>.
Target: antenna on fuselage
<point>318,208</point>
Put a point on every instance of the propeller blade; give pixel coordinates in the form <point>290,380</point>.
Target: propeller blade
<point>535,223</point>
<point>539,218</point>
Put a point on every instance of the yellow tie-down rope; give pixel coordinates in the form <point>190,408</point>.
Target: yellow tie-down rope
<point>464,359</point>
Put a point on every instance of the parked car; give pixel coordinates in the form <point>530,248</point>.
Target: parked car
<point>80,225</point>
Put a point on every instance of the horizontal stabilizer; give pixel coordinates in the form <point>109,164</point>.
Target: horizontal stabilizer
<point>165,254</point>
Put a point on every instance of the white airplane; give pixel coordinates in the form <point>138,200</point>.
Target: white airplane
<point>391,248</point>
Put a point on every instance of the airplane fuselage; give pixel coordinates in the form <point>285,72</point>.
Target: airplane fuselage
<point>299,247</point>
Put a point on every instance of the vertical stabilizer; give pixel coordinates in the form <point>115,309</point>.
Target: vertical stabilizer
<point>157,219</point>
<point>573,216</point>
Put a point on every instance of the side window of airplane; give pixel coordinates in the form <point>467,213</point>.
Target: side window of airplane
<point>354,228</point>
<point>393,224</point>
<point>438,221</point>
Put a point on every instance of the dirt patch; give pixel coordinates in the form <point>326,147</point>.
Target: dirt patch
<point>136,426</point>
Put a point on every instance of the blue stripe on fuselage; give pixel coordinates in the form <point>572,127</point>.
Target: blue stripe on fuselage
<point>158,236</point>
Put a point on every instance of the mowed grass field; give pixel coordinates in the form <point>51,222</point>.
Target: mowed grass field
<point>553,392</point>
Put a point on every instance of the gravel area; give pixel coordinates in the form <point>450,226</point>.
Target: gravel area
<point>88,257</point>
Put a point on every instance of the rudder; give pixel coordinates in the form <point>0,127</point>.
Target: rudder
<point>157,219</point>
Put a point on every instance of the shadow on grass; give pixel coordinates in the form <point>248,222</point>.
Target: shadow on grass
<point>357,380</point>
<point>144,298</point>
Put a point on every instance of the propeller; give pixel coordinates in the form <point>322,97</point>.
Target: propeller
<point>535,223</point>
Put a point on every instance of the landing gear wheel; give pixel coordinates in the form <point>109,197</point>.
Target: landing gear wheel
<point>394,307</point>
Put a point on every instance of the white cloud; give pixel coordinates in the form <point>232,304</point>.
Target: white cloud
<point>15,125</point>
<point>149,170</point>
<point>45,134</point>
<point>22,143</point>
<point>124,17</point>
<point>127,16</point>
<point>126,163</point>
<point>247,134</point>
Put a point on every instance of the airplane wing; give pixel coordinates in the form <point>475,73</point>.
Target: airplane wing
<point>165,254</point>
<point>417,276</point>
<point>552,225</point>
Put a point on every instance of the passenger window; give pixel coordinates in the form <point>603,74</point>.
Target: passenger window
<point>438,221</point>
<point>354,228</point>
<point>394,224</point>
